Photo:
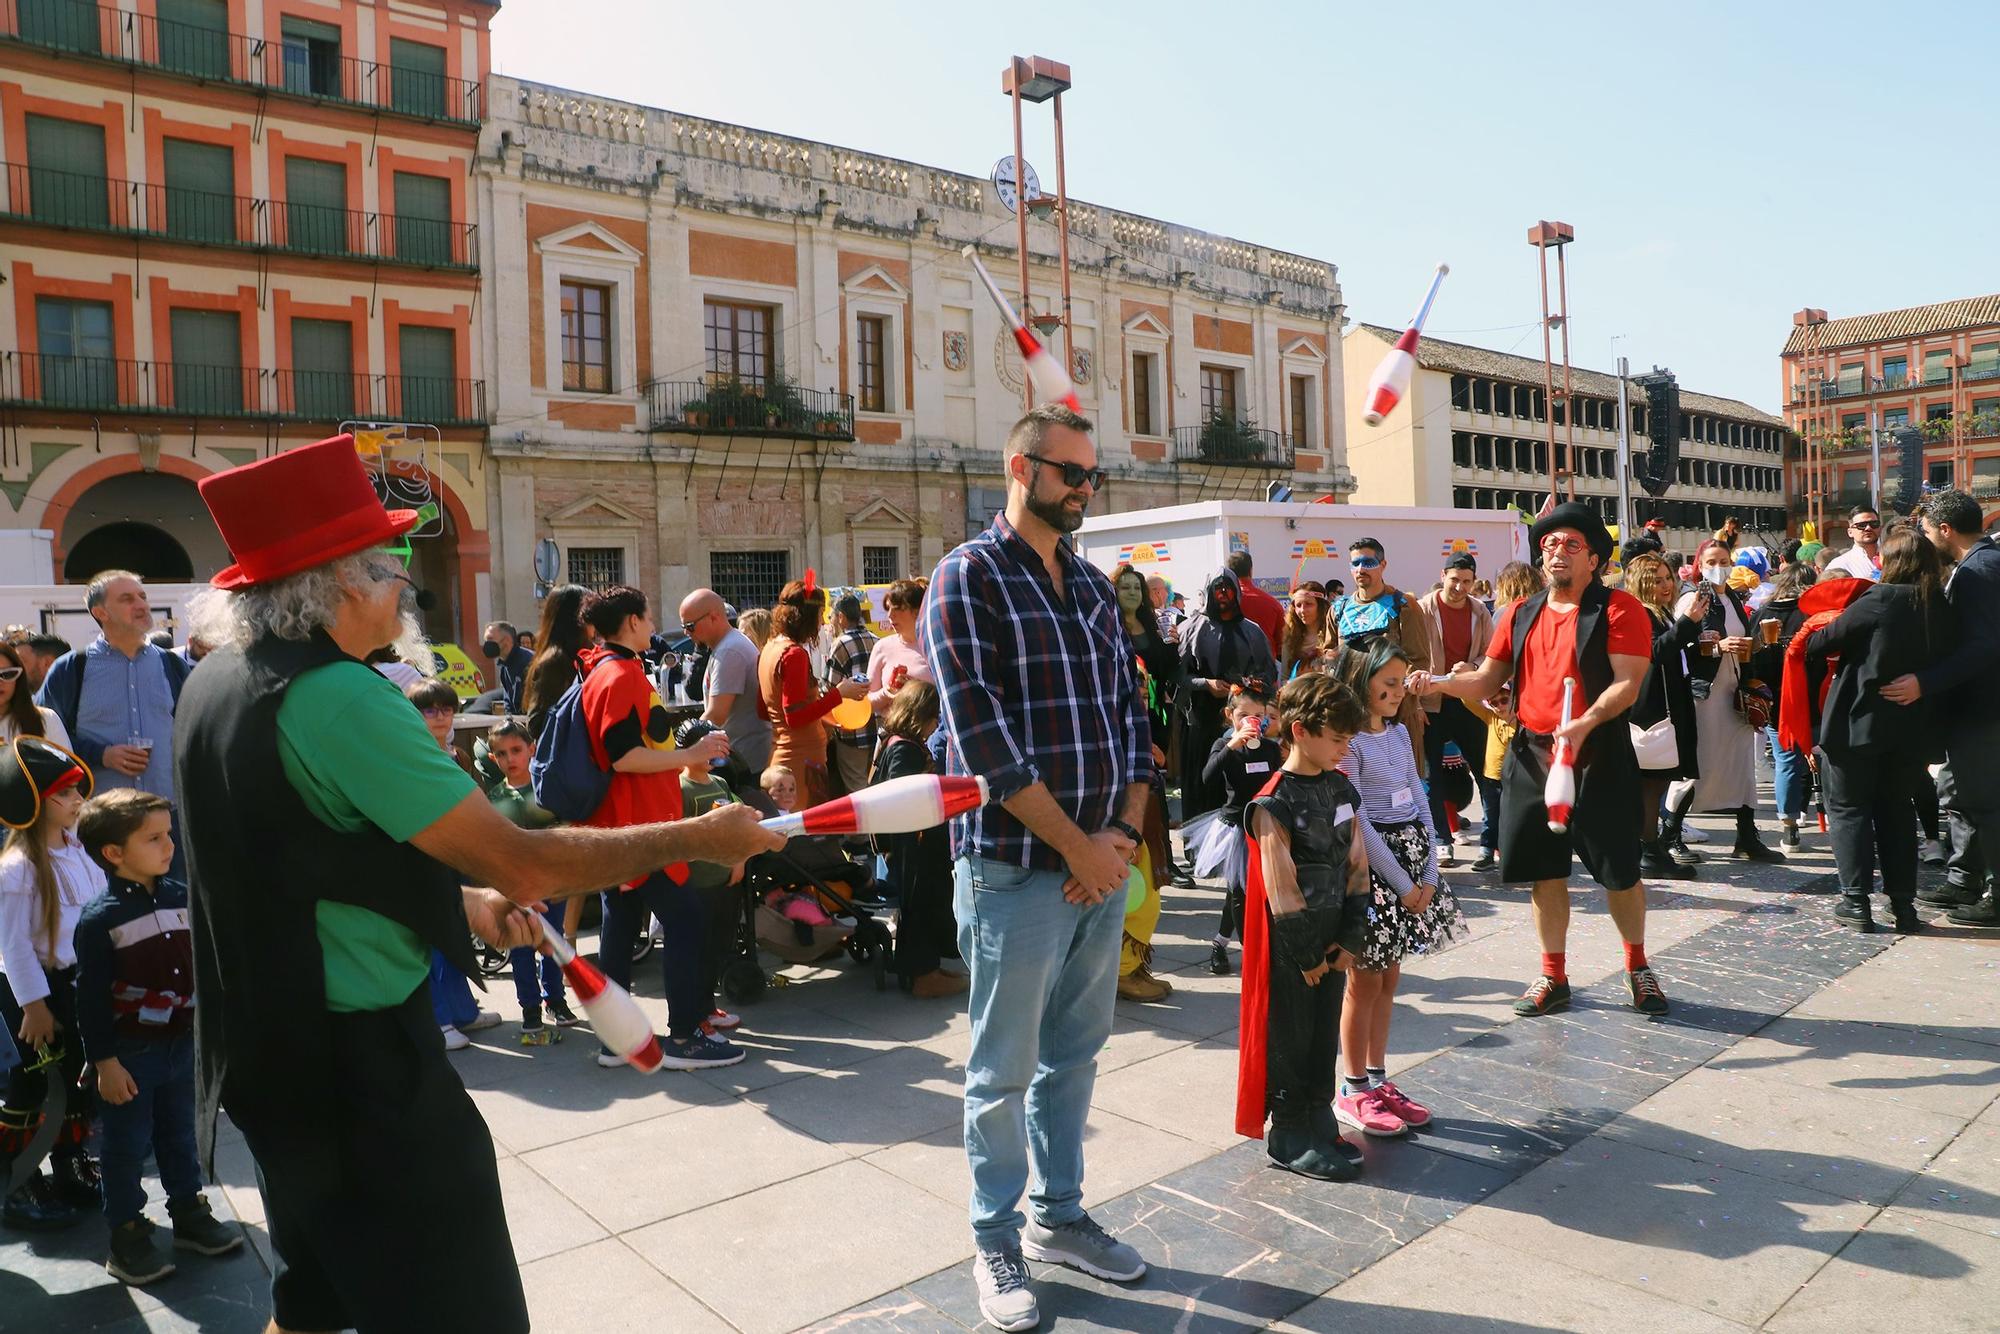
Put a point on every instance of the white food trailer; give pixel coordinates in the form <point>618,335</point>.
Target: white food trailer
<point>30,595</point>
<point>1289,542</point>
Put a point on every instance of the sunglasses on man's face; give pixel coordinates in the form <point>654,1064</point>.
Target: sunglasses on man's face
<point>1569,546</point>
<point>1073,474</point>
<point>1364,562</point>
<point>9,673</point>
<point>1866,523</point>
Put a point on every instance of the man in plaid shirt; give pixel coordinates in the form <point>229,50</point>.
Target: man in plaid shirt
<point>853,752</point>
<point>1041,698</point>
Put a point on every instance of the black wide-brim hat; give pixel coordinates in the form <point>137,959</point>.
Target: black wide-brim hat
<point>1579,516</point>
<point>30,769</point>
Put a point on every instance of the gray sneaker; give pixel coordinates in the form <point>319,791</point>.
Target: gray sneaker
<point>1005,1300</point>
<point>1083,1245</point>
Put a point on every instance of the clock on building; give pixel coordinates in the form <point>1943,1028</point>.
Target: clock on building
<point>1008,182</point>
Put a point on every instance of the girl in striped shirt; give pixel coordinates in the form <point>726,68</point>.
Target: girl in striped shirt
<point>1412,913</point>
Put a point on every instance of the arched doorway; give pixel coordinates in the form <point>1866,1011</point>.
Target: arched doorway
<point>152,523</point>
<point>147,551</point>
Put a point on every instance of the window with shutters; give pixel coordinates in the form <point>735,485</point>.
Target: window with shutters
<point>66,25</point>
<point>747,579</point>
<point>871,337</point>
<point>428,362</point>
<point>316,217</point>
<point>1937,366</point>
<point>200,191</point>
<point>597,567</point>
<point>1218,393</point>
<point>311,54</point>
<point>1143,372</point>
<point>194,36</point>
<point>322,369</point>
<point>586,337</point>
<point>417,84</point>
<point>77,364</point>
<point>208,361</point>
<point>423,218</point>
<point>66,184</point>
<point>1301,422</point>
<point>737,339</point>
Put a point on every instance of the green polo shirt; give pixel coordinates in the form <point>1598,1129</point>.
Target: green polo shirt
<point>359,755</point>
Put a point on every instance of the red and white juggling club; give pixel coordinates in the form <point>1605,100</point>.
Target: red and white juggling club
<point>1051,381</point>
<point>1391,381</point>
<point>614,1016</point>
<point>1559,793</point>
<point>899,806</point>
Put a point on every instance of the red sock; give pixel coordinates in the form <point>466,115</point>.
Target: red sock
<point>1555,967</point>
<point>1635,957</point>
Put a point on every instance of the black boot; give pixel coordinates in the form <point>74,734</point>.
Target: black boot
<point>1986,913</point>
<point>77,1179</point>
<point>1326,1133</point>
<point>1292,1147</point>
<point>36,1207</point>
<point>1749,846</point>
<point>1670,833</point>
<point>1854,908</point>
<point>1656,863</point>
<point>1907,921</point>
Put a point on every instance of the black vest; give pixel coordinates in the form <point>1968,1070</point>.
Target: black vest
<point>258,862</point>
<point>1593,662</point>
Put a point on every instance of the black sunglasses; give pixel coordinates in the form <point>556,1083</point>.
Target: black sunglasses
<point>1074,474</point>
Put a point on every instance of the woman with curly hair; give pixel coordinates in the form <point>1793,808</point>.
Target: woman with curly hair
<point>1307,638</point>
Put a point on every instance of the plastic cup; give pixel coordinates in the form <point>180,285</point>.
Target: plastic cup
<point>1769,630</point>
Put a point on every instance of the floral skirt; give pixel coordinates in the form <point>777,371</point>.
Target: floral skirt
<point>1393,930</point>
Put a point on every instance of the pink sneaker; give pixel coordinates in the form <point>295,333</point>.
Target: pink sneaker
<point>1368,1113</point>
<point>1412,1113</point>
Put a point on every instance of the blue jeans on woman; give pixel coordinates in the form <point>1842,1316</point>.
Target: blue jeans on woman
<point>159,1120</point>
<point>1044,985</point>
<point>1790,780</point>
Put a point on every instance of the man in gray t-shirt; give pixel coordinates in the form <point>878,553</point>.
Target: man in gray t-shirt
<point>730,687</point>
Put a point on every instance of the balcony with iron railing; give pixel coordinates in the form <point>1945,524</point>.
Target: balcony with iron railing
<point>1230,443</point>
<point>179,388</point>
<point>278,65</point>
<point>105,204</point>
<point>738,407</point>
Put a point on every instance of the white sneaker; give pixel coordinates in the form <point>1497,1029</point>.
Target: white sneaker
<point>1690,834</point>
<point>609,1060</point>
<point>1447,853</point>
<point>1933,852</point>
<point>486,1019</point>
<point>453,1039</point>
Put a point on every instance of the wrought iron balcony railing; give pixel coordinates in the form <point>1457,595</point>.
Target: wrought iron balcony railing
<point>738,408</point>
<point>1225,442</point>
<point>295,67</point>
<point>182,388</point>
<point>105,204</point>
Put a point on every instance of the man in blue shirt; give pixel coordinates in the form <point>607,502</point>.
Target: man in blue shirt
<point>116,695</point>
<point>1041,698</point>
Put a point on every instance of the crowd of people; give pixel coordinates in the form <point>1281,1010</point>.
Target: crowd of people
<point>1327,750</point>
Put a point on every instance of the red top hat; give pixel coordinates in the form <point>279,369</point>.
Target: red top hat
<point>298,509</point>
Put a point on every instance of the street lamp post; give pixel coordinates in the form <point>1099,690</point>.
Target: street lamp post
<point>1037,79</point>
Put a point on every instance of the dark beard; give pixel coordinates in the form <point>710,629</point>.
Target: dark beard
<point>1055,513</point>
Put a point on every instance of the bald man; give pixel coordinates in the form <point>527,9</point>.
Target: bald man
<point>730,686</point>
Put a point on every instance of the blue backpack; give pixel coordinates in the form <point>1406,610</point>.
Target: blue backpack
<point>569,783</point>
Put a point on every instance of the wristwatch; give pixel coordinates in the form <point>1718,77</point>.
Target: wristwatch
<point>1125,829</point>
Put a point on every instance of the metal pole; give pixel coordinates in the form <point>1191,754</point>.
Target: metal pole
<point>1569,398</point>
<point>1062,239</point>
<point>1624,455</point>
<point>1021,217</point>
<point>1548,375</point>
<point>1875,457</point>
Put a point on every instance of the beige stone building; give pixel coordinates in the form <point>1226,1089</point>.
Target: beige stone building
<point>1473,433</point>
<point>720,356</point>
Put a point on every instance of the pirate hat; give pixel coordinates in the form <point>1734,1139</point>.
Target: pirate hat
<point>30,769</point>
<point>1580,517</point>
<point>296,510</point>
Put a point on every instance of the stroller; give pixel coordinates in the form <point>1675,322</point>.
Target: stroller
<point>805,904</point>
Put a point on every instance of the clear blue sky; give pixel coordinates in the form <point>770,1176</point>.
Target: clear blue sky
<point>1723,164</point>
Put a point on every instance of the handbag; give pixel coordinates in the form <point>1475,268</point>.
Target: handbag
<point>1753,701</point>
<point>1658,747</point>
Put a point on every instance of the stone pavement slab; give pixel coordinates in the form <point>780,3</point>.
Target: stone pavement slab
<point>1903,1272</point>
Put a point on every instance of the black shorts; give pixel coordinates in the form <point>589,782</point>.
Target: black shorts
<point>1603,828</point>
<point>384,1211</point>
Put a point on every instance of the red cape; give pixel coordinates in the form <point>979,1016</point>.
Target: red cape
<point>1255,1003</point>
<point>1798,707</point>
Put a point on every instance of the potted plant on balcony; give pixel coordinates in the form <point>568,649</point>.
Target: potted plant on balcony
<point>830,423</point>
<point>782,407</point>
<point>694,413</point>
<point>1227,439</point>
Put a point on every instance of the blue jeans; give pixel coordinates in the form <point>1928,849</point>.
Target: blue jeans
<point>531,968</point>
<point>1790,782</point>
<point>683,938</point>
<point>1044,984</point>
<point>452,1003</point>
<point>160,1120</point>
